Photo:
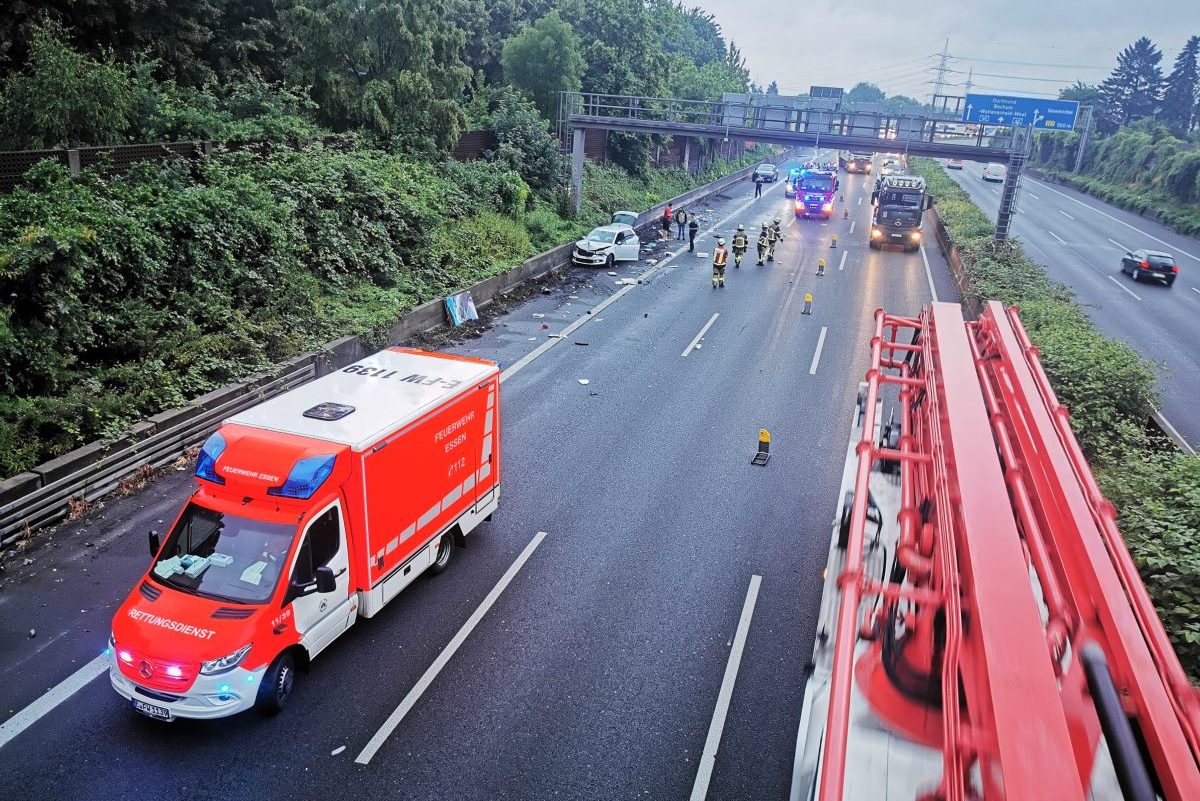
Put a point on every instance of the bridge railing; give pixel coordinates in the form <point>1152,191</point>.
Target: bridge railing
<point>764,114</point>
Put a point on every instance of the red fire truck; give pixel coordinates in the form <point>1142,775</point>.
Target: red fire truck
<point>984,633</point>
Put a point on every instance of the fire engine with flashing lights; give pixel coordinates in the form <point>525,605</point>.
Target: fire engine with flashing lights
<point>815,190</point>
<point>983,632</point>
<point>312,509</point>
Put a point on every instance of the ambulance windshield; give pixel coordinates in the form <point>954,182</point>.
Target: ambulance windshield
<point>222,556</point>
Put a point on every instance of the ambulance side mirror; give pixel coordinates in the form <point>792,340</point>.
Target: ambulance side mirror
<point>326,581</point>
<point>155,543</point>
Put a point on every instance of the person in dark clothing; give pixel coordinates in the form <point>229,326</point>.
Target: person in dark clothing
<point>680,223</point>
<point>758,182</point>
<point>693,229</point>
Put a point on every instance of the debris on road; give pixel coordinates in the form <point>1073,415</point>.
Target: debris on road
<point>584,381</point>
<point>610,272</point>
<point>580,343</point>
<point>538,315</point>
<point>338,750</point>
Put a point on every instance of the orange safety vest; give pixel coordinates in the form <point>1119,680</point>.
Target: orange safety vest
<point>720,257</point>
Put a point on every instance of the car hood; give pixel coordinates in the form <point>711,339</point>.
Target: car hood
<point>170,624</point>
<point>591,244</point>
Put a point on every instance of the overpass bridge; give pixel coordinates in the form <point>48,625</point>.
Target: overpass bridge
<point>758,121</point>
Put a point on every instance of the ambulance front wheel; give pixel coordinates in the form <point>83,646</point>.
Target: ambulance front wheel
<point>277,683</point>
<point>441,559</point>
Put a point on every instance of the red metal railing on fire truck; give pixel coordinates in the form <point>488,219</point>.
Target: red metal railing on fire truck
<point>992,485</point>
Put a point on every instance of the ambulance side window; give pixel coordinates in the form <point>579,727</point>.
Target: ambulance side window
<point>320,545</point>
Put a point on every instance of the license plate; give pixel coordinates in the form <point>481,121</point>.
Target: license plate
<point>1160,275</point>
<point>152,711</point>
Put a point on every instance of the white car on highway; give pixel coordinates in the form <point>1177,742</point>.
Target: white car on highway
<point>606,245</point>
<point>995,172</point>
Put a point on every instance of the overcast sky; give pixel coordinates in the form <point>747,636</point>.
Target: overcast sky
<point>804,42</point>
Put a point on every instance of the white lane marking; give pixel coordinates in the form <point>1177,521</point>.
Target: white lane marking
<point>1115,219</point>
<point>860,200</point>
<point>789,223</point>
<point>994,192</point>
<point>1118,244</point>
<point>524,361</point>
<point>1063,213</point>
<point>1035,197</point>
<point>52,698</point>
<point>708,759</point>
<point>1197,291</point>
<point>1122,286</point>
<point>929,275</point>
<point>700,336</point>
<point>852,222</point>
<point>1172,432</point>
<point>845,253</point>
<point>1061,241</point>
<point>812,370</point>
<point>427,678</point>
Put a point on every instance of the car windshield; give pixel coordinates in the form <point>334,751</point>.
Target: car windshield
<point>899,198</point>
<point>223,556</point>
<point>767,168</point>
<point>1160,260</point>
<point>602,236</point>
<point>909,215</point>
<point>817,183</point>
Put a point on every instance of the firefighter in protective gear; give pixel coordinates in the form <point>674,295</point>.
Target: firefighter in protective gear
<point>773,237</point>
<point>764,242</point>
<point>720,259</point>
<point>740,242</point>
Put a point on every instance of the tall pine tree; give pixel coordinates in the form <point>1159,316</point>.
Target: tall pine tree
<point>1179,98</point>
<point>1134,89</point>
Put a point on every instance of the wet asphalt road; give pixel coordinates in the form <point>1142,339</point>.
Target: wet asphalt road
<point>596,672</point>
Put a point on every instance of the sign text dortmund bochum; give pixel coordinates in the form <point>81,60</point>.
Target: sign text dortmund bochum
<point>1056,115</point>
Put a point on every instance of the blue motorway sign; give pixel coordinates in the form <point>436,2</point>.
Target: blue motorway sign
<point>1055,115</point>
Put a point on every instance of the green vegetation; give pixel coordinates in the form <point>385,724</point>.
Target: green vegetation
<point>1142,167</point>
<point>1108,390</point>
<point>125,295</point>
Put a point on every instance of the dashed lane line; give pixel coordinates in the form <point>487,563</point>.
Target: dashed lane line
<point>414,695</point>
<point>1063,213</point>
<point>842,263</point>
<point>1061,241</point>
<point>1123,287</point>
<point>700,336</point>
<point>812,370</point>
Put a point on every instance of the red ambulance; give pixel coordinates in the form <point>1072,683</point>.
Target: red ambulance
<point>312,509</point>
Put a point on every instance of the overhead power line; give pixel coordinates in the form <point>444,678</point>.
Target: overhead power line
<point>1029,63</point>
<point>1017,77</point>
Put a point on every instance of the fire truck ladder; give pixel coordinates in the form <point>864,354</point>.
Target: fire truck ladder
<point>1013,633</point>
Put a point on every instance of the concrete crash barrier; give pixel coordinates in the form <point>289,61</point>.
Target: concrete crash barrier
<point>41,496</point>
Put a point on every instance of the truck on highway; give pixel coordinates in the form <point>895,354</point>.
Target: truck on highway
<point>814,193</point>
<point>899,202</point>
<point>857,162</point>
<point>311,509</point>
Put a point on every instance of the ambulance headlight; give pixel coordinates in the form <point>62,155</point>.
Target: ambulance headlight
<point>827,207</point>
<point>916,236</point>
<point>226,663</point>
<point>206,462</point>
<point>306,477</point>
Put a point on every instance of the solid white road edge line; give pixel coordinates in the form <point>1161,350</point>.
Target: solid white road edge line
<point>1063,213</point>
<point>1061,241</point>
<point>929,275</point>
<point>812,370</point>
<point>700,336</point>
<point>1118,244</point>
<point>1122,286</point>
<point>52,698</point>
<point>1115,219</point>
<point>842,263</point>
<point>432,672</point>
<point>709,758</point>
<point>1172,432</point>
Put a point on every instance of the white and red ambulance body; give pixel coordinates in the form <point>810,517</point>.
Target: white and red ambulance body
<point>313,508</point>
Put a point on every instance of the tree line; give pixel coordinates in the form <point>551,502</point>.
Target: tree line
<point>1137,89</point>
<point>407,73</point>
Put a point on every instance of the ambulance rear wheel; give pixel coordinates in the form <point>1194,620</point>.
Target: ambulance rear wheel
<point>277,684</point>
<point>441,559</point>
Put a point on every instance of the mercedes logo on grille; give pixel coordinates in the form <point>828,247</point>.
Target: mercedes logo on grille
<point>145,669</point>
